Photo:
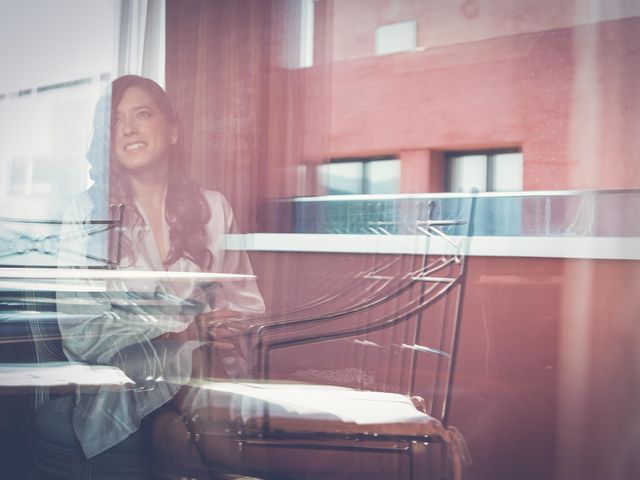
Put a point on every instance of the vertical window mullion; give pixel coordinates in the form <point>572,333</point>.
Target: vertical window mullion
<point>366,187</point>
<point>490,186</point>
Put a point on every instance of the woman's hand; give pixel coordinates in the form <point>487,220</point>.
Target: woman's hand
<point>221,326</point>
<point>226,330</point>
<point>224,327</point>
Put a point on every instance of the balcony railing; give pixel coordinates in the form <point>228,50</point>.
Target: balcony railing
<point>584,213</point>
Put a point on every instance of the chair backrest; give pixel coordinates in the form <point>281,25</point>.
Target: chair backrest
<point>41,243</point>
<point>29,322</point>
<point>405,337</point>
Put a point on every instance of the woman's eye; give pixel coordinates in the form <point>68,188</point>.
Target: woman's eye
<point>144,114</point>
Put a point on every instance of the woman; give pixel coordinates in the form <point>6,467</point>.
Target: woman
<point>169,224</point>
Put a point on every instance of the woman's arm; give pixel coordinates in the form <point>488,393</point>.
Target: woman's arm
<point>240,296</point>
<point>92,328</point>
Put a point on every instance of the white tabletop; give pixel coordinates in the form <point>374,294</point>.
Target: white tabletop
<point>61,377</point>
<point>105,274</point>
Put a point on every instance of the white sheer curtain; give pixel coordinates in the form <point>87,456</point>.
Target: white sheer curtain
<point>141,39</point>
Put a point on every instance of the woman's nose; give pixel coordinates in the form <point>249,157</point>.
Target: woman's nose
<point>129,127</point>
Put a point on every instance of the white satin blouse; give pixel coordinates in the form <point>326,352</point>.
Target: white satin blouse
<point>120,326</point>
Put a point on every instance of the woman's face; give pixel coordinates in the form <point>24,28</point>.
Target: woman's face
<point>141,135</point>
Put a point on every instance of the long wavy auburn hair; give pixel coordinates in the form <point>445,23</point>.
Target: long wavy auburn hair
<point>186,209</point>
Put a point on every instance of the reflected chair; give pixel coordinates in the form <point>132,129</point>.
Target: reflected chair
<point>395,397</point>
<point>39,371</point>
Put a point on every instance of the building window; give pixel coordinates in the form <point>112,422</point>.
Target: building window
<point>484,171</point>
<point>352,176</point>
<point>396,37</point>
<point>306,33</point>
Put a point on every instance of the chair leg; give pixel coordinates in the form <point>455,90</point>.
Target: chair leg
<point>444,464</point>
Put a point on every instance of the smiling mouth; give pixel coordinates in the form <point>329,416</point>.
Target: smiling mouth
<point>135,147</point>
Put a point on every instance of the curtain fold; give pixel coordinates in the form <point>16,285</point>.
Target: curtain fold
<point>141,39</point>
<point>250,114</point>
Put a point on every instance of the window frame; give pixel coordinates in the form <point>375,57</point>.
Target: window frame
<point>490,155</point>
<point>364,161</point>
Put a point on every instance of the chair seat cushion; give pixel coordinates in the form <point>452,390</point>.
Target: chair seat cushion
<point>218,409</point>
<point>294,407</point>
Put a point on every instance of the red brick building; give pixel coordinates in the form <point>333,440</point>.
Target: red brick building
<point>546,346</point>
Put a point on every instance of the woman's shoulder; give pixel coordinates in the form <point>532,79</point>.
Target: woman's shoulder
<point>215,199</point>
<point>213,195</point>
<point>221,219</point>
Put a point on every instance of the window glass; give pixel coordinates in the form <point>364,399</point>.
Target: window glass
<point>383,176</point>
<point>506,172</point>
<point>468,172</point>
<point>45,42</point>
<point>47,161</point>
<point>343,178</point>
<point>362,262</point>
<point>48,94</point>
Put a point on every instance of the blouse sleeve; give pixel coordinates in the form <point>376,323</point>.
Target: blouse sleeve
<point>242,296</point>
<point>92,329</point>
